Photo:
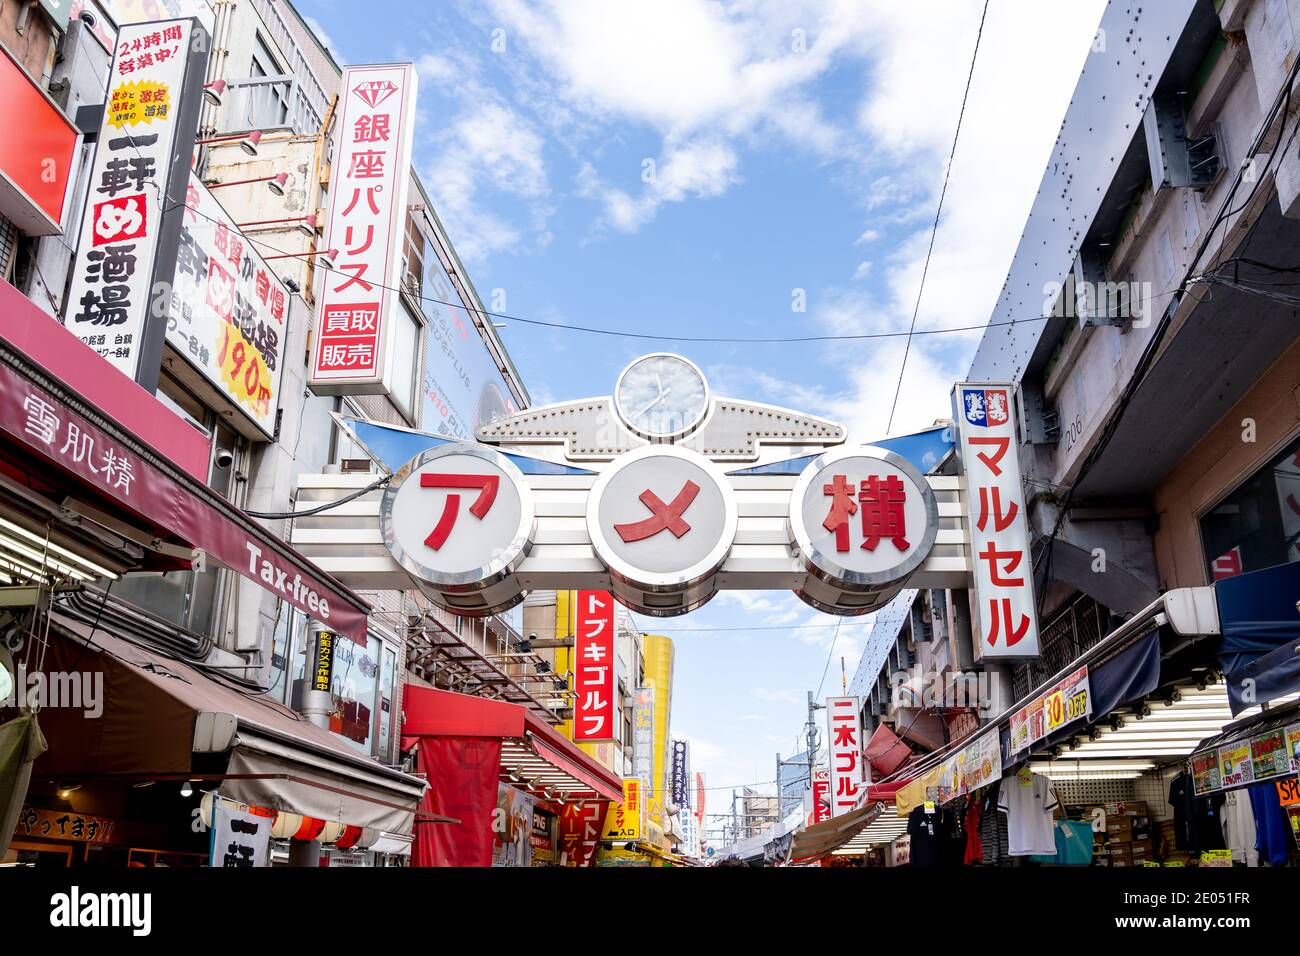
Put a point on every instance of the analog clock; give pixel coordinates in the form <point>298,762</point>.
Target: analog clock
<point>662,396</point>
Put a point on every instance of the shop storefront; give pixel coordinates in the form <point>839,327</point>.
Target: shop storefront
<point>1115,761</point>
<point>490,764</point>
<point>133,777</point>
<point>134,725</point>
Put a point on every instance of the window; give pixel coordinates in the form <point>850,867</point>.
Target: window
<point>268,102</point>
<point>1258,525</point>
<point>355,686</point>
<point>404,363</point>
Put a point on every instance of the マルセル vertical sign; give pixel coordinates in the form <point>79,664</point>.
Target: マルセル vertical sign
<point>1006,616</point>
<point>593,667</point>
<point>137,190</point>
<point>366,226</point>
<point>844,744</point>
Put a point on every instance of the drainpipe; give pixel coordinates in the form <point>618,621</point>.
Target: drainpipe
<point>312,699</point>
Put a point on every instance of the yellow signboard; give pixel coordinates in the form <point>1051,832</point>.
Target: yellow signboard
<point>623,820</point>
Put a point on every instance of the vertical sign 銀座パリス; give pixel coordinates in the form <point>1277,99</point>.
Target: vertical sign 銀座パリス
<point>365,226</point>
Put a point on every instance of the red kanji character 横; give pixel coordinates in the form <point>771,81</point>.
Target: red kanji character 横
<point>882,512</point>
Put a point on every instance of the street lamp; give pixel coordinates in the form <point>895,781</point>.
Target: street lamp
<point>326,257</point>
<point>247,141</point>
<point>306,225</point>
<point>274,183</point>
<point>214,91</point>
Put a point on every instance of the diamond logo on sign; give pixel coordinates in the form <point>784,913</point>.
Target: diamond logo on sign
<point>374,92</point>
<point>459,517</point>
<point>661,519</point>
<point>863,518</point>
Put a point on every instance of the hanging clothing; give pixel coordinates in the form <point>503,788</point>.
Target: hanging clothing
<point>931,836</point>
<point>1029,799</point>
<point>1198,820</point>
<point>1272,830</point>
<point>1239,828</point>
<point>974,845</point>
<point>994,838</point>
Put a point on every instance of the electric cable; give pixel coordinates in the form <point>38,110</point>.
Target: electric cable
<point>934,229</point>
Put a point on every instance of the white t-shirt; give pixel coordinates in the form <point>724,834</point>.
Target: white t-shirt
<point>1028,800</point>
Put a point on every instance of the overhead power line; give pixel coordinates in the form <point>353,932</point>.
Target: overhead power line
<point>621,333</point>
<point>934,229</point>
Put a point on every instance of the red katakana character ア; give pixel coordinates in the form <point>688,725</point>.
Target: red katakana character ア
<point>487,486</point>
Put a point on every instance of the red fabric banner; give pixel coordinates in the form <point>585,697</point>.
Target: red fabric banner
<point>463,773</point>
<point>580,827</point>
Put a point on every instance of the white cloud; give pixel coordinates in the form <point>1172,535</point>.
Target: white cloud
<point>488,147</point>
<point>779,696</point>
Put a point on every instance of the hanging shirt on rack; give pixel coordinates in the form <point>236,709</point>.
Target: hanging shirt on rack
<point>1029,799</point>
<point>931,835</point>
<point>1272,830</point>
<point>993,830</point>
<point>1239,827</point>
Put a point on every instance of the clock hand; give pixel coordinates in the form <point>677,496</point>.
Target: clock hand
<point>655,401</point>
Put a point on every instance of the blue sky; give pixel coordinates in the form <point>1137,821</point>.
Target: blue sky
<point>684,167</point>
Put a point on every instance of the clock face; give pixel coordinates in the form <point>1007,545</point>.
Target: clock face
<point>662,395</point>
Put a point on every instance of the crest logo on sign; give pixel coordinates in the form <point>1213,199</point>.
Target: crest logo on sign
<point>988,407</point>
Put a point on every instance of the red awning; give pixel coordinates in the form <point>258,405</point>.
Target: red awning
<point>534,755</point>
<point>134,463</point>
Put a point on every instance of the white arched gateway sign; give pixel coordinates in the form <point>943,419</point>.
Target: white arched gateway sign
<point>665,494</point>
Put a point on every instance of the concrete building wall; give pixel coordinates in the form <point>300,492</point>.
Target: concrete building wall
<point>1220,462</point>
<point>29,35</point>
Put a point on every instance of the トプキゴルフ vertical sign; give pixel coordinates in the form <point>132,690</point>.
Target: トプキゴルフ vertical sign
<point>365,228</point>
<point>995,509</point>
<point>593,667</point>
<point>130,228</point>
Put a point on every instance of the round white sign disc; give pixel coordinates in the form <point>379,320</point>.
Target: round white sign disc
<point>661,517</point>
<point>863,517</point>
<point>458,516</point>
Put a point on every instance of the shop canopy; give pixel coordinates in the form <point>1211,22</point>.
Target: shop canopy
<point>823,839</point>
<point>166,720</point>
<point>534,755</point>
<point>90,453</point>
<point>1260,620</point>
